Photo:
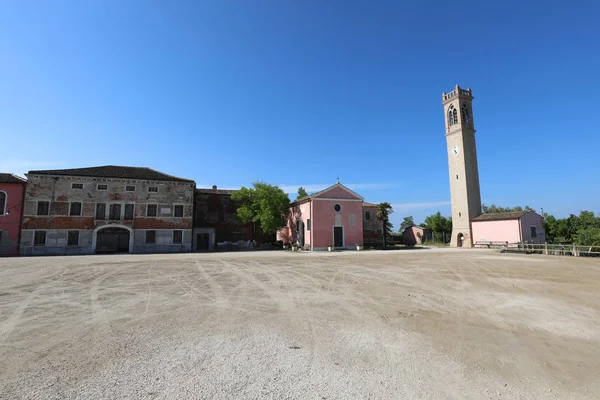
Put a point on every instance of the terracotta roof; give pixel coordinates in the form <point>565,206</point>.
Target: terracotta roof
<point>423,228</point>
<point>113,171</point>
<point>301,200</point>
<point>215,191</point>
<point>11,178</point>
<point>500,216</point>
<point>365,204</point>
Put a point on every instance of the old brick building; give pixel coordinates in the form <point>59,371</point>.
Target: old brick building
<point>106,209</point>
<point>215,221</point>
<point>372,227</point>
<point>12,189</point>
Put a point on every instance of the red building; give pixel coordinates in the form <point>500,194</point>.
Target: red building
<point>12,190</point>
<point>216,226</point>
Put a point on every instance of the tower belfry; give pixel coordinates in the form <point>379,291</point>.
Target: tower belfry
<point>462,164</point>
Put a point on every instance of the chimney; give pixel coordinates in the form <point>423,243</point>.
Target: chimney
<point>214,187</point>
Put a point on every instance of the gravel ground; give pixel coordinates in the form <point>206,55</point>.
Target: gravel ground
<point>413,324</point>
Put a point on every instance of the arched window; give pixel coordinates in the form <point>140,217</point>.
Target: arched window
<point>451,116</point>
<point>465,114</point>
<point>455,115</point>
<point>2,203</point>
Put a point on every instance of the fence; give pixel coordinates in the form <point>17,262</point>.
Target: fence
<point>552,249</point>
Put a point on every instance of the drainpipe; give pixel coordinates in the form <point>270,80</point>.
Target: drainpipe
<point>520,232</point>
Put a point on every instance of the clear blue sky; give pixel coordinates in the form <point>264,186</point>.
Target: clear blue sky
<point>299,92</point>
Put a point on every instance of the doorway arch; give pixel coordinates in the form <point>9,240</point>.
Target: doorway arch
<point>112,238</point>
<point>459,240</point>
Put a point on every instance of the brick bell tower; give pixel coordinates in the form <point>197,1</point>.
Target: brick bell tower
<point>462,164</point>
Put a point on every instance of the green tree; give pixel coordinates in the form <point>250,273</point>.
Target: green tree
<point>494,209</point>
<point>383,214</point>
<point>588,236</point>
<point>438,223</point>
<point>265,204</point>
<point>406,223</point>
<point>579,229</point>
<point>301,193</point>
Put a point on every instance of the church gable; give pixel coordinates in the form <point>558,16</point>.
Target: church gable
<point>337,191</point>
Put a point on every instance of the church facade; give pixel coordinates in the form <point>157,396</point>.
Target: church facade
<point>334,217</point>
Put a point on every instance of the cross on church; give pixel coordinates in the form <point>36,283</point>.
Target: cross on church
<point>338,179</point>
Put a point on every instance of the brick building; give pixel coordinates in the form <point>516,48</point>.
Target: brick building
<point>106,209</point>
<point>215,221</point>
<point>372,227</point>
<point>12,189</point>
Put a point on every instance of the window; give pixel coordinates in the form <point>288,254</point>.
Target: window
<point>115,212</point>
<point>130,188</point>
<point>298,223</point>
<point>368,215</point>
<point>456,176</point>
<point>128,212</point>
<point>152,210</point>
<point>308,224</point>
<point>153,189</point>
<point>225,201</point>
<point>533,231</point>
<point>465,114</point>
<point>337,208</point>
<point>43,208</point>
<point>150,237</point>
<point>352,219</point>
<point>177,237</point>
<point>39,238</point>
<point>101,211</point>
<point>73,238</point>
<point>2,203</point>
<point>178,212</point>
<point>102,187</point>
<point>459,214</point>
<point>452,116</point>
<point>75,209</point>
<point>76,185</point>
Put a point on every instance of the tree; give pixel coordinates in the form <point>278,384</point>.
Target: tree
<point>494,209</point>
<point>301,193</point>
<point>383,214</point>
<point>438,224</point>
<point>588,236</point>
<point>265,204</point>
<point>583,229</point>
<point>406,223</point>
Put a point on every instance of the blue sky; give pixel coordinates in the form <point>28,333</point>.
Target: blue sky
<point>297,93</point>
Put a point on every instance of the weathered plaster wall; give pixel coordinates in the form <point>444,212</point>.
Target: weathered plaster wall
<point>60,193</point>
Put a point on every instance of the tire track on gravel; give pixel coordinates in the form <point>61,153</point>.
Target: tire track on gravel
<point>11,323</point>
<point>215,287</point>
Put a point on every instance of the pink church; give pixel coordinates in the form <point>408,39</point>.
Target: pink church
<point>331,217</point>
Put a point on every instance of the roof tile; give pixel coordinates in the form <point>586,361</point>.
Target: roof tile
<point>11,178</point>
<point>500,216</point>
<point>114,171</point>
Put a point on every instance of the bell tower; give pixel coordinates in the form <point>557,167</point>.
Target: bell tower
<point>462,164</point>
